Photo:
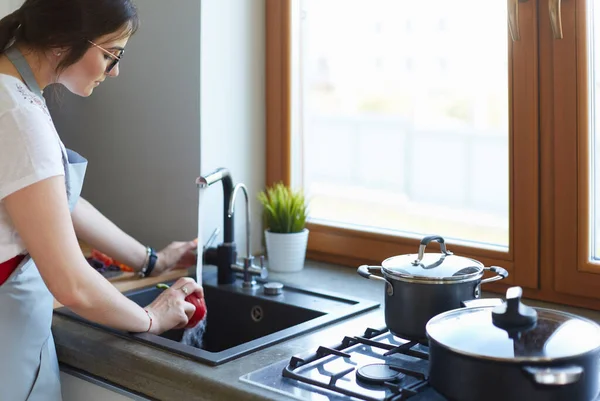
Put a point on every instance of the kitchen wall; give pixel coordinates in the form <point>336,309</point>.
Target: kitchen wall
<point>189,99</point>
<point>5,8</point>
<point>140,131</point>
<point>233,107</point>
<point>8,6</point>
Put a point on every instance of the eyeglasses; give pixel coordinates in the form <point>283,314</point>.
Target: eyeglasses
<point>115,58</point>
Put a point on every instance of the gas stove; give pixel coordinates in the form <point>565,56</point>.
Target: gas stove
<point>373,366</point>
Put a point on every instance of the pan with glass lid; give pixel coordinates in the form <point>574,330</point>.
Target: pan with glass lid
<point>514,352</point>
<point>423,285</point>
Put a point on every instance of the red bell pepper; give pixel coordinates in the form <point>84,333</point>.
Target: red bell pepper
<point>195,300</point>
<point>200,310</point>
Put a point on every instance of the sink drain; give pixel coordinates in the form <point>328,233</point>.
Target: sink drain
<point>256,313</point>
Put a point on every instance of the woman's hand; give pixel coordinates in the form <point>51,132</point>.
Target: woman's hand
<point>170,310</point>
<point>175,255</point>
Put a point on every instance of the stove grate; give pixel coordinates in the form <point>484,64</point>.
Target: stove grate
<point>398,390</point>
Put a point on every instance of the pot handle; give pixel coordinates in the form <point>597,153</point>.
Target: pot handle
<point>363,271</point>
<point>554,376</point>
<point>501,274</point>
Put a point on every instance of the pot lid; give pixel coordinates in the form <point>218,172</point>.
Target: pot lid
<point>532,334</point>
<point>430,266</point>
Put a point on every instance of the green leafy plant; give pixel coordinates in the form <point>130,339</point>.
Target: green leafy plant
<point>285,210</point>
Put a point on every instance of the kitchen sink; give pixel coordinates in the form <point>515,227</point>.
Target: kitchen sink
<point>241,321</point>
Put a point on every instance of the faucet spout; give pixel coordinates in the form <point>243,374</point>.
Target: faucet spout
<point>230,211</point>
<point>223,175</point>
<point>209,179</point>
<point>247,268</point>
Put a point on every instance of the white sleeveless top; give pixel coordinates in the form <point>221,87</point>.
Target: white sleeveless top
<point>30,151</point>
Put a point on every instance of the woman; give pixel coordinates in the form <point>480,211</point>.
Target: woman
<point>78,44</point>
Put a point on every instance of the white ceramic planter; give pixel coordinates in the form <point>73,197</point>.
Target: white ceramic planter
<point>286,252</point>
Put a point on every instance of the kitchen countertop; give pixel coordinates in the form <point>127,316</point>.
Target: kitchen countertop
<point>166,376</point>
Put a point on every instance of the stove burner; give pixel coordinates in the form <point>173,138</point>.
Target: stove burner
<point>378,373</point>
<point>399,378</point>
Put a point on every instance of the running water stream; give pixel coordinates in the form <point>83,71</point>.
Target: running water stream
<point>193,336</point>
<point>200,248</point>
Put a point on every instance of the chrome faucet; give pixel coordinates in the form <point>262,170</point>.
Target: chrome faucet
<point>224,256</point>
<point>247,268</point>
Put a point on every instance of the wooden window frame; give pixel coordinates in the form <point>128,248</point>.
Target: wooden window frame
<point>583,159</point>
<point>573,274</point>
<point>353,247</point>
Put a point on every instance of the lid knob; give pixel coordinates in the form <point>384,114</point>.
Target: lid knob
<point>512,315</point>
<point>424,242</point>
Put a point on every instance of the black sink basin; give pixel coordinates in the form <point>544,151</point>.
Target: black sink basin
<point>235,318</point>
<point>240,321</point>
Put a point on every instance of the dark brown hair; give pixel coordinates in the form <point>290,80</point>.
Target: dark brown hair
<point>67,24</point>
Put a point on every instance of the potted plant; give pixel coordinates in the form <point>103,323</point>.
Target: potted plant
<point>286,236</point>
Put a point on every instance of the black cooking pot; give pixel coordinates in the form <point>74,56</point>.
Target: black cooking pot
<point>513,352</point>
<point>421,286</point>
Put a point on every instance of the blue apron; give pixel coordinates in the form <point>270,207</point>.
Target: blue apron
<point>28,363</point>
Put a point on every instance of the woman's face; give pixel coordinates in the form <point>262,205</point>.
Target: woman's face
<point>82,77</point>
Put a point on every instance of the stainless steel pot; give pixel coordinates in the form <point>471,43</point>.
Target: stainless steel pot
<point>513,352</point>
<point>420,286</point>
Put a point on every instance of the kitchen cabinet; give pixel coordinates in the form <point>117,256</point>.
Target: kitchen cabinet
<point>77,386</point>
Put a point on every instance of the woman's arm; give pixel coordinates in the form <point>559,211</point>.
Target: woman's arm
<point>42,218</point>
<point>96,230</point>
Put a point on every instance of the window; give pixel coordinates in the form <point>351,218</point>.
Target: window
<point>417,150</point>
<point>402,119</point>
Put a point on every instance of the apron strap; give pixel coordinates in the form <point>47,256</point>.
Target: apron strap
<point>18,60</point>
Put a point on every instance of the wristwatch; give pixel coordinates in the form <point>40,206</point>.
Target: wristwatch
<point>151,259</point>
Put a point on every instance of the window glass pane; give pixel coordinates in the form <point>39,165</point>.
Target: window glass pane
<point>594,112</point>
<point>401,116</point>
